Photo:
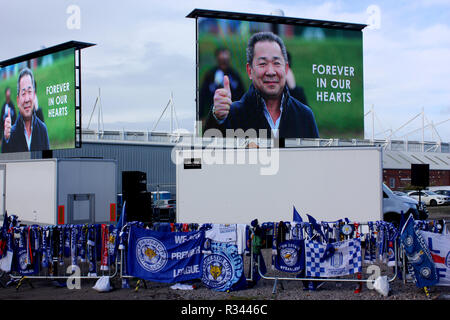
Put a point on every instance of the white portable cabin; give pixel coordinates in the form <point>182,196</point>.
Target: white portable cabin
<point>239,185</point>
<point>59,191</point>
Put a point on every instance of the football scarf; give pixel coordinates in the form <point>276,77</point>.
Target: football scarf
<point>326,228</point>
<point>61,245</point>
<point>297,231</point>
<point>51,250</point>
<point>3,235</point>
<point>274,244</point>
<point>418,254</point>
<point>7,259</point>
<point>36,250</point>
<point>73,246</point>
<point>45,259</point>
<point>104,265</point>
<point>113,243</point>
<point>67,248</point>
<point>370,240</point>
<point>23,263</point>
<point>82,243</point>
<point>91,251</point>
<point>392,238</point>
<point>381,241</point>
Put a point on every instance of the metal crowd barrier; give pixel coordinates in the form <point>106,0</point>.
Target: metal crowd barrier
<point>276,279</point>
<point>63,269</point>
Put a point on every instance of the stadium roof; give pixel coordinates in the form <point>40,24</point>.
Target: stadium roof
<point>403,159</point>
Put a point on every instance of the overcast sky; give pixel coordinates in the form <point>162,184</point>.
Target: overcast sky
<point>145,51</point>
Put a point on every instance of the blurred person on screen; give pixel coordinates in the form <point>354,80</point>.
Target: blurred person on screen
<point>8,106</point>
<point>268,103</point>
<point>213,80</point>
<point>28,133</point>
<point>295,90</point>
<point>38,110</point>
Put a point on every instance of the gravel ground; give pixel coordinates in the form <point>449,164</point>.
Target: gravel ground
<point>287,290</point>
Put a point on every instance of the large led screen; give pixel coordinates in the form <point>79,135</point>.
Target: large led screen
<point>324,77</point>
<point>37,97</point>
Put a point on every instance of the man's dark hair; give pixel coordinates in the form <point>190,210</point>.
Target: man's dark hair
<point>264,36</point>
<point>24,72</point>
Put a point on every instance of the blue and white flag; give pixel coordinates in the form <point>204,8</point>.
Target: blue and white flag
<point>418,254</point>
<point>439,245</point>
<point>296,216</point>
<point>164,257</point>
<point>223,269</point>
<point>344,260</point>
<point>290,256</point>
<point>315,226</point>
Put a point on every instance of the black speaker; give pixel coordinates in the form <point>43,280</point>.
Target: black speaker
<point>138,207</point>
<point>420,175</point>
<point>133,182</point>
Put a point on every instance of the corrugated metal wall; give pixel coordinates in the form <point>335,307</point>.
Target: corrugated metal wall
<point>154,160</point>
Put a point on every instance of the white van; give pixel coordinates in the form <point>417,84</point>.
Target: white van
<point>393,205</point>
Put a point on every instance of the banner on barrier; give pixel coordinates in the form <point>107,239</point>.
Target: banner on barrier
<point>165,257</point>
<point>290,256</point>
<point>418,254</point>
<point>439,245</point>
<point>223,268</point>
<point>333,260</point>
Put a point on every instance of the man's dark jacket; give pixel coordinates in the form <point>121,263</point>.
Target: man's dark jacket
<point>297,120</point>
<point>209,87</point>
<point>17,141</point>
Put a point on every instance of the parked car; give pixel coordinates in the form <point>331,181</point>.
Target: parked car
<point>445,193</point>
<point>164,207</point>
<point>162,199</point>
<point>429,197</point>
<point>394,205</point>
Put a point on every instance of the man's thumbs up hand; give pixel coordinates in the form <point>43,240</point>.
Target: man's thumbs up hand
<point>7,125</point>
<point>222,100</point>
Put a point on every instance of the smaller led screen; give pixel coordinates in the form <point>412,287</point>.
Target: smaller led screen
<point>37,99</point>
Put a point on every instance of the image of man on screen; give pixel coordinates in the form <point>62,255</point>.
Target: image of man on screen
<point>8,108</point>
<point>28,133</point>
<point>267,104</point>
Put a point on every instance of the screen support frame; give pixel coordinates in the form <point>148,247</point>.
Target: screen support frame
<point>78,133</point>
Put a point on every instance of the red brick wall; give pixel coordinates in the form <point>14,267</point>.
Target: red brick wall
<point>402,178</point>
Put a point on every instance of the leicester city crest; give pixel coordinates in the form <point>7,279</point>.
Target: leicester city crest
<point>23,261</point>
<point>151,254</point>
<point>217,271</point>
<point>409,241</point>
<point>289,256</point>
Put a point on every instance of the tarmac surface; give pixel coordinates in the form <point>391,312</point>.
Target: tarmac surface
<point>38,289</point>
